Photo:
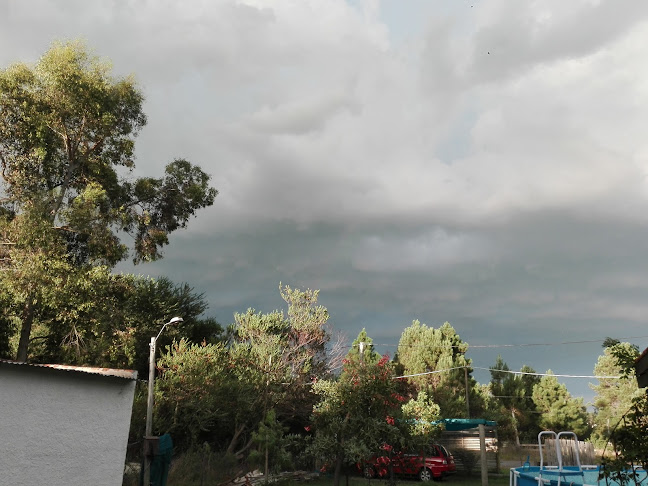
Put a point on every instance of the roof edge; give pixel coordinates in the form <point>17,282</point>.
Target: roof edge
<point>116,373</point>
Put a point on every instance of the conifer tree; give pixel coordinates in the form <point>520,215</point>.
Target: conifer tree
<point>424,349</point>
<point>558,409</point>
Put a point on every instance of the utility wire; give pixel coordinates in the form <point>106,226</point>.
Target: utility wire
<point>547,374</point>
<point>473,346</point>
<point>430,372</point>
<point>507,371</point>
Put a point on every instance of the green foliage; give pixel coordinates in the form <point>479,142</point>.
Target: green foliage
<point>629,445</point>
<point>357,414</point>
<point>559,411</point>
<point>220,392</point>
<point>467,458</point>
<point>202,466</point>
<point>195,393</point>
<point>626,354</point>
<point>67,138</point>
<point>630,438</point>
<point>628,435</point>
<point>614,396</point>
<point>148,304</point>
<point>419,415</point>
<point>512,405</point>
<point>66,127</point>
<point>96,318</point>
<point>270,441</point>
<point>362,349</point>
<point>423,349</point>
<point>281,353</point>
<point>7,330</point>
<point>609,342</point>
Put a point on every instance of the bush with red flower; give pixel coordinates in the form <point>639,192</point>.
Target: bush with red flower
<point>358,413</point>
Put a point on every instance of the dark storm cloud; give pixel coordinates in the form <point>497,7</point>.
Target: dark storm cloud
<point>483,167</point>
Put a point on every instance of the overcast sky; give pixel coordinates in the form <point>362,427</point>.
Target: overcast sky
<point>477,162</point>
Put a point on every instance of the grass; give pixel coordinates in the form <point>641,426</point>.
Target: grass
<point>475,480</point>
<point>457,480</point>
<point>208,468</point>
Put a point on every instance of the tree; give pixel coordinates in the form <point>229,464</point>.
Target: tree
<point>196,393</point>
<point>608,342</point>
<point>34,270</point>
<point>421,416</point>
<point>280,354</point>
<point>67,130</point>
<point>424,349</point>
<point>629,445</point>
<point>513,406</point>
<point>269,439</point>
<point>268,363</point>
<point>614,396</point>
<point>107,320</point>
<point>628,436</point>
<point>362,349</point>
<point>357,413</point>
<point>559,411</point>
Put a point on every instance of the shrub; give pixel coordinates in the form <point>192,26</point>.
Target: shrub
<point>468,460</point>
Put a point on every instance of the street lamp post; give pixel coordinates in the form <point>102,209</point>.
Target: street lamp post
<point>149,403</point>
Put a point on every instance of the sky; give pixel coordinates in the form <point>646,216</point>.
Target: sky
<point>480,162</point>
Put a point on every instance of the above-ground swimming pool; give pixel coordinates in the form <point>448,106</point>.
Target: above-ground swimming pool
<point>528,476</point>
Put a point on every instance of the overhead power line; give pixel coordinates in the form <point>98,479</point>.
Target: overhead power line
<point>431,372</point>
<point>508,371</point>
<point>548,374</point>
<point>520,345</point>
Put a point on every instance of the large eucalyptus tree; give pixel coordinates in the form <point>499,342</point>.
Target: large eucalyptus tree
<point>67,139</point>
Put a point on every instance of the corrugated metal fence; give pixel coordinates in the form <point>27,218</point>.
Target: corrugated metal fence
<point>468,440</point>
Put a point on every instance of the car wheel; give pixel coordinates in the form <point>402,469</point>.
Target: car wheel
<point>425,474</point>
<point>368,472</point>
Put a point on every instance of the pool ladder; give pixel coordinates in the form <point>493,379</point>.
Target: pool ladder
<point>560,471</point>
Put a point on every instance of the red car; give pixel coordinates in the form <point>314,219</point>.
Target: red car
<point>438,463</point>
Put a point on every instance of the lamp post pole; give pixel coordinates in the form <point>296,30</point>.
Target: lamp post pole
<point>149,402</point>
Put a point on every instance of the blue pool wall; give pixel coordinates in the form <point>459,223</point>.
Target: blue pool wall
<point>526,477</point>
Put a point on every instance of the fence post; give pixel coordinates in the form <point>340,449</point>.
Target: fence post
<point>482,448</point>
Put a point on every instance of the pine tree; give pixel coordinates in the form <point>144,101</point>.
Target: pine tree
<point>559,411</point>
<point>424,349</point>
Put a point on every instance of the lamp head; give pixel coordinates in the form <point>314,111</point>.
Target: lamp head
<point>174,320</point>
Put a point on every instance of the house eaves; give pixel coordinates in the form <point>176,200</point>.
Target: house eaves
<point>115,373</point>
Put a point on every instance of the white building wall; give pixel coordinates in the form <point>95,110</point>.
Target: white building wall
<point>62,428</point>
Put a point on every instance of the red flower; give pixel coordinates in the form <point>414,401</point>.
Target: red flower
<point>307,428</point>
<point>390,420</point>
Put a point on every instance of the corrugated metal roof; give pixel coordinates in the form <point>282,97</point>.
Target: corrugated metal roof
<point>127,374</point>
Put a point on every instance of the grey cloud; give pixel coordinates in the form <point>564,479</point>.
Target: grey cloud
<point>408,175</point>
<point>520,36</point>
<point>302,116</point>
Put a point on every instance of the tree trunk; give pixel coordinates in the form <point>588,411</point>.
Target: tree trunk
<point>338,469</point>
<point>265,471</point>
<point>237,432</point>
<point>25,331</point>
<point>515,429</point>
